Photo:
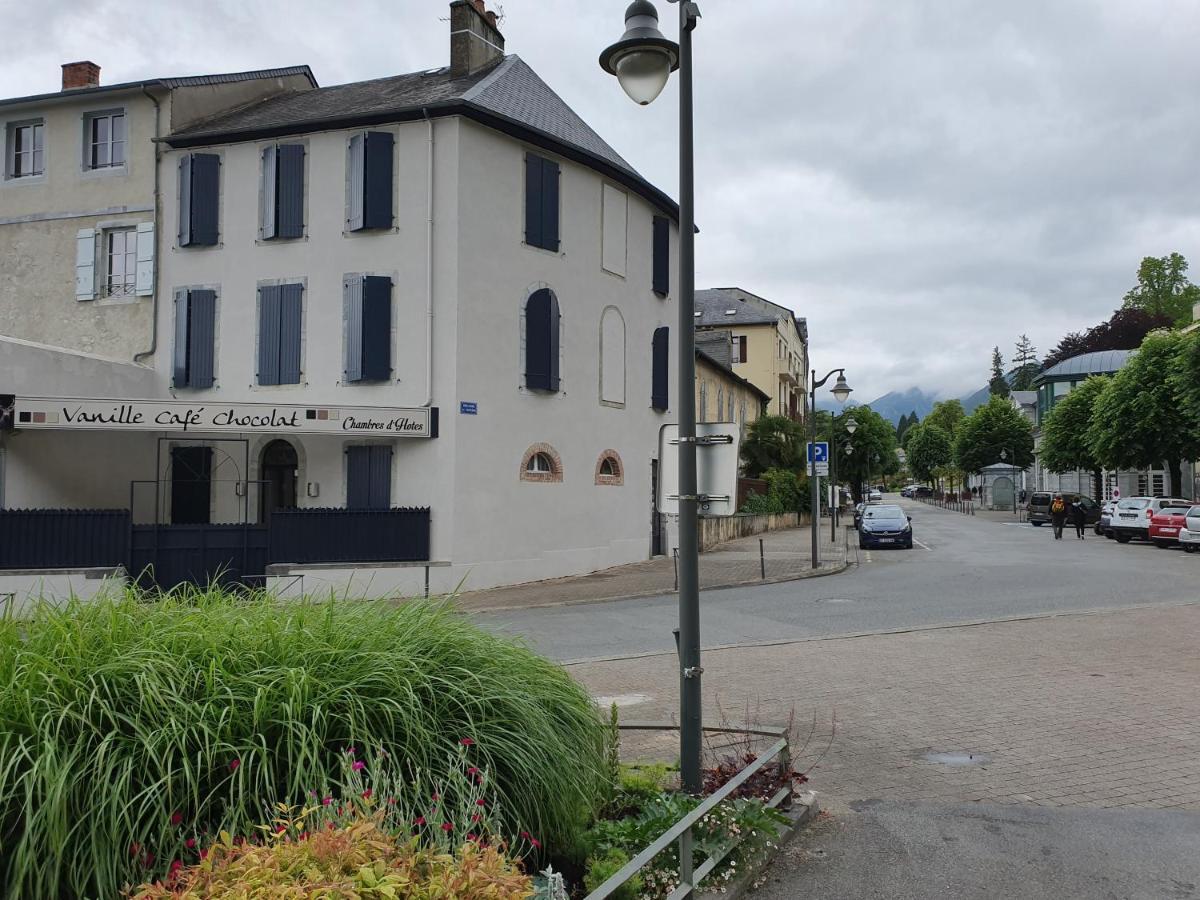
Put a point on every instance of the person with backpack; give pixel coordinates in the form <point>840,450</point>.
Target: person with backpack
<point>1078,516</point>
<point>1058,515</point>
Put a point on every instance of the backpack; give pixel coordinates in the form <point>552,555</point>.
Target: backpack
<point>1058,505</point>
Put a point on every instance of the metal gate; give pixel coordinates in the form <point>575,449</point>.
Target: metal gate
<point>168,555</point>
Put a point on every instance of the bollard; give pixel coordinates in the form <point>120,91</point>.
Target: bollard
<point>675,558</point>
<point>762,559</point>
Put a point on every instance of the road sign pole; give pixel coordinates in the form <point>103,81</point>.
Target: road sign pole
<point>814,485</point>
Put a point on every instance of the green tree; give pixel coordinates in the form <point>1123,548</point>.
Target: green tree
<point>994,427</point>
<point>1163,289</point>
<point>1185,375</point>
<point>998,385</point>
<point>1026,363</point>
<point>947,415</point>
<point>1139,420</point>
<point>773,442</point>
<point>1065,446</point>
<point>929,449</point>
<point>874,443</point>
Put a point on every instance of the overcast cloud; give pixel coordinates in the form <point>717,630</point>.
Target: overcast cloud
<point>921,179</point>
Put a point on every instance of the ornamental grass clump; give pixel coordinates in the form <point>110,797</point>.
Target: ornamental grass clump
<point>133,732</point>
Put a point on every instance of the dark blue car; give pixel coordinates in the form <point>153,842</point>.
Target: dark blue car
<point>885,526</point>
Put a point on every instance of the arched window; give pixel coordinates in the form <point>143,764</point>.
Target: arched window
<point>609,468</point>
<point>541,341</point>
<point>612,357</point>
<point>541,463</point>
<point>703,402</point>
<point>720,402</point>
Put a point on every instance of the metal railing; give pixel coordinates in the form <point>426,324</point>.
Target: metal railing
<point>690,875</point>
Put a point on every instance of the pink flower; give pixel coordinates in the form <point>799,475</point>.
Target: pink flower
<point>476,817</point>
<point>532,840</point>
<point>203,855</point>
<point>234,763</point>
<point>367,794</point>
<point>472,837</point>
<point>420,820</point>
<point>446,826</point>
<point>472,771</point>
<point>359,765</point>
<point>350,751</point>
<point>190,843</point>
<point>437,797</point>
<point>467,742</point>
<point>391,801</point>
<point>325,801</point>
<point>280,829</point>
<point>176,818</point>
<point>176,865</point>
<point>481,802</point>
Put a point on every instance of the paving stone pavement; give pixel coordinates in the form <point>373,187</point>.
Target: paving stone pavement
<point>1080,710</point>
<point>787,555</point>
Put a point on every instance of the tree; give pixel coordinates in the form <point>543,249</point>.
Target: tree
<point>1065,446</point>
<point>929,449</point>
<point>1163,289</point>
<point>948,415</point>
<point>994,427</point>
<point>998,385</point>
<point>874,443</point>
<point>1026,363</point>
<point>1185,375</point>
<point>1124,330</point>
<point>773,442</point>
<point>1138,420</point>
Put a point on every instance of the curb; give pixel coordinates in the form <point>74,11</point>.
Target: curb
<point>804,809</point>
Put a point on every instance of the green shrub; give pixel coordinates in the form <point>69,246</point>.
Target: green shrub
<point>787,492</point>
<point>602,868</point>
<point>129,728</point>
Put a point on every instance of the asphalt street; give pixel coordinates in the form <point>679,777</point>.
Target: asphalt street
<point>964,569</point>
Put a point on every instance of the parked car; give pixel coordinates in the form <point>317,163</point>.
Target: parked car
<point>1166,524</point>
<point>1132,516</point>
<point>1103,525</point>
<point>1039,507</point>
<point>885,526</point>
<point>859,509</point>
<point>1189,535</point>
<point>923,490</point>
<point>875,497</point>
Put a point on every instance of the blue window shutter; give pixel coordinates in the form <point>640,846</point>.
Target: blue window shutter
<point>270,179</point>
<point>354,215</point>
<point>202,324</point>
<point>662,256</point>
<point>541,341</point>
<point>289,191</point>
<point>550,174</point>
<point>352,292</point>
<point>533,200</point>
<point>376,328</point>
<point>381,477</point>
<point>205,199</point>
<point>269,304</point>
<point>358,477</point>
<point>377,180</point>
<point>291,306</point>
<point>180,350</point>
<point>660,358</point>
<point>185,200</point>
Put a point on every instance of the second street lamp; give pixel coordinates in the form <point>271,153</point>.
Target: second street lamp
<point>841,392</point>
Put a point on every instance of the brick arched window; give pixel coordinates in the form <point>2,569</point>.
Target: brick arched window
<point>609,468</point>
<point>541,463</point>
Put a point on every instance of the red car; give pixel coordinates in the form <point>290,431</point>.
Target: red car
<point>1165,525</point>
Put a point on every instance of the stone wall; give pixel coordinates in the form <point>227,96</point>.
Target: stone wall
<point>718,530</point>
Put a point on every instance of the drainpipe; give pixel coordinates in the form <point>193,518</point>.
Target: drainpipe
<point>157,205</point>
<point>429,269</point>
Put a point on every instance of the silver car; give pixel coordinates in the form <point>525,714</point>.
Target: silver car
<point>1189,535</point>
<point>1104,525</point>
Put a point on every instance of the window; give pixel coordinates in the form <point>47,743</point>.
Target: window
<point>282,194</point>
<point>720,401</point>
<point>739,349</point>
<point>612,357</point>
<point>195,338</point>
<point>1158,482</point>
<point>660,356</point>
<point>703,401</point>
<point>368,302</point>
<point>729,408</point>
<point>613,230</point>
<point>370,182</point>
<point>609,470</point>
<point>105,140</point>
<point>541,463</point>
<point>26,153</point>
<point>541,202</point>
<point>542,341</point>
<point>369,477</point>
<point>199,199</point>
<point>120,262</point>
<point>661,279</point>
<point>742,412</point>
<point>279,333</point>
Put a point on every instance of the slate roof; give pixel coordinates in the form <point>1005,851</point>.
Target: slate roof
<point>168,83</point>
<point>1102,362</point>
<point>509,95</point>
<point>714,306</point>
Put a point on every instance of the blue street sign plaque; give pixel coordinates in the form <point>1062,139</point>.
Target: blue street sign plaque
<point>468,408</point>
<point>818,452</point>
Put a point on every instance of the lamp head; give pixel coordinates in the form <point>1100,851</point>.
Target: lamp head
<point>841,391</point>
<point>851,425</point>
<point>643,59</point>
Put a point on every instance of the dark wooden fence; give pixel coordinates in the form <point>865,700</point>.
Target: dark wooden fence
<point>63,538</point>
<point>349,535</point>
<point>169,555</point>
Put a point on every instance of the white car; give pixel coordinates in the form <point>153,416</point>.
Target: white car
<point>874,497</point>
<point>1189,535</point>
<point>1131,518</point>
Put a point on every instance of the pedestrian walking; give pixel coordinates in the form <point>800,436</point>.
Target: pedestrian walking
<point>1058,515</point>
<point>1078,516</point>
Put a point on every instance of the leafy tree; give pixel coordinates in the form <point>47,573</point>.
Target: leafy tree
<point>1185,375</point>
<point>993,427</point>
<point>1026,363</point>
<point>874,443</point>
<point>1124,330</point>
<point>1163,289</point>
<point>773,442</point>
<point>948,415</point>
<point>998,385</point>
<point>1065,446</point>
<point>929,448</point>
<point>902,437</point>
<point>1138,421</point>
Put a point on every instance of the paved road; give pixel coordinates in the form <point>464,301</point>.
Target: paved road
<point>966,569</point>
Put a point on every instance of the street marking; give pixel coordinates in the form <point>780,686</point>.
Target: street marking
<point>868,552</point>
<point>922,546</point>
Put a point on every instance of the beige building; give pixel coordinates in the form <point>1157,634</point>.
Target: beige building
<point>721,394</point>
<point>80,200</point>
<point>769,344</point>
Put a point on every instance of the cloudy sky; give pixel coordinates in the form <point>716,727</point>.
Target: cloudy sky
<point>920,179</point>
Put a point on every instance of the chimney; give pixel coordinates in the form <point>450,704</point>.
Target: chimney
<point>84,74</point>
<point>475,41</point>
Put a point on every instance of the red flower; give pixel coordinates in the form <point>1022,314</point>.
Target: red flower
<point>476,817</point>
<point>280,829</point>
<point>367,794</point>
<point>532,840</point>
<point>472,837</point>
<point>391,801</point>
<point>176,818</point>
<point>190,843</point>
<point>472,771</point>
<point>466,742</point>
<point>420,820</point>
<point>176,865</point>
<point>135,848</point>
<point>446,826</point>
<point>148,861</point>
<point>481,802</point>
<point>359,765</point>
<point>349,751</point>
<point>234,763</point>
<point>339,810</point>
<point>304,835</point>
<point>437,797</point>
<point>203,855</point>
<point>325,801</point>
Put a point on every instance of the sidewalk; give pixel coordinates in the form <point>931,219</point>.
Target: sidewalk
<point>786,556</point>
<point>1003,516</point>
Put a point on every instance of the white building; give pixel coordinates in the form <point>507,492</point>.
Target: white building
<point>437,306</point>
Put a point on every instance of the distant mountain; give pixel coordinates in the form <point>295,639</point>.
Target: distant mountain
<point>893,404</point>
<point>972,401</point>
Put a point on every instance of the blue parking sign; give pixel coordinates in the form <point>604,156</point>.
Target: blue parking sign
<point>818,452</point>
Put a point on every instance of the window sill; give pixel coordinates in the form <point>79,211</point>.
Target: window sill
<point>104,172</point>
<point>267,242</point>
<point>40,178</point>
<point>560,252</point>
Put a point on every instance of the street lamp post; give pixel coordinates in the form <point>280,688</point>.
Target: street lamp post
<point>642,60</point>
<point>851,427</point>
<point>841,391</point>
